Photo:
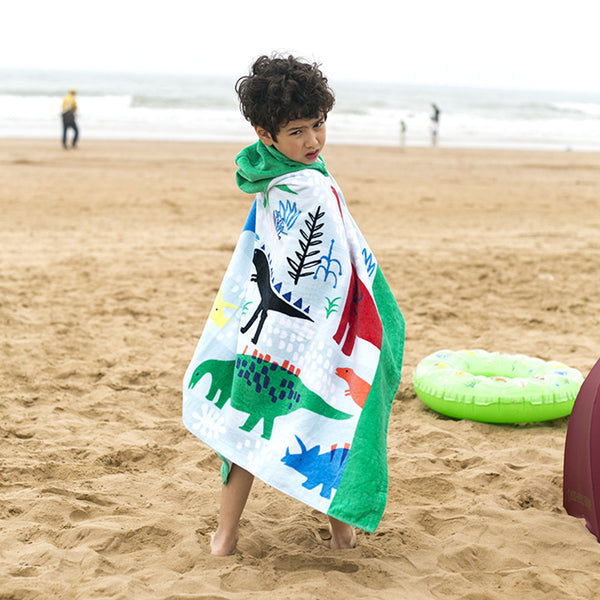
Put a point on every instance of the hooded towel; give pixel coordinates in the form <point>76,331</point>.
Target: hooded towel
<point>299,361</point>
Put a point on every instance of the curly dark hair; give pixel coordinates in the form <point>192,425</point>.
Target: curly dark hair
<point>281,89</point>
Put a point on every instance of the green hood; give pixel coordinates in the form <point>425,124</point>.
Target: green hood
<point>259,164</point>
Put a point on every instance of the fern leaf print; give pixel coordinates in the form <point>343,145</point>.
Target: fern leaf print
<point>311,235</point>
<point>285,217</point>
<point>332,306</point>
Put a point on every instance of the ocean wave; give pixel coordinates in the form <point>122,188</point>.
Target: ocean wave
<point>585,110</point>
<point>189,102</point>
<point>205,108</point>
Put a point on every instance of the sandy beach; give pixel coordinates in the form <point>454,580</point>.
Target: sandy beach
<point>111,256</point>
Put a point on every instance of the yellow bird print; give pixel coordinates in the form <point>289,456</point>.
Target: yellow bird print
<point>217,314</point>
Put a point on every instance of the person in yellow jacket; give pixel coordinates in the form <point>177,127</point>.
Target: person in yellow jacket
<point>69,108</point>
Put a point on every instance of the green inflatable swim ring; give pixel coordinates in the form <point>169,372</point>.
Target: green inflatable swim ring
<point>495,387</point>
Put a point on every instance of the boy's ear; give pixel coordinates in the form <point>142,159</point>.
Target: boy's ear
<point>264,136</point>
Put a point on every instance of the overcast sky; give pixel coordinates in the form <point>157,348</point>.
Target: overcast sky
<point>527,44</point>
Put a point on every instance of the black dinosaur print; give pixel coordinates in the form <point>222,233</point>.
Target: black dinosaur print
<point>269,300</point>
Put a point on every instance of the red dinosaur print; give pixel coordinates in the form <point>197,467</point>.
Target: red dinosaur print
<point>360,318</point>
<point>358,389</point>
<point>338,202</point>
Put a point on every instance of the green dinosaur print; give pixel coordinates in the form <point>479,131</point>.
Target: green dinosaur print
<point>263,389</point>
<point>221,373</point>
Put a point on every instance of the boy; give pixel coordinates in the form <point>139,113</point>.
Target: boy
<point>304,343</point>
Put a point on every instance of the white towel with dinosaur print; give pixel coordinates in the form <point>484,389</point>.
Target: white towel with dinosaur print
<point>299,361</point>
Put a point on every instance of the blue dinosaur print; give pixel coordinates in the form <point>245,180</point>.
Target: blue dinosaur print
<point>319,469</point>
<point>250,224</point>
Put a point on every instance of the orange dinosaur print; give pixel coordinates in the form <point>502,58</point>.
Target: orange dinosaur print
<point>358,389</point>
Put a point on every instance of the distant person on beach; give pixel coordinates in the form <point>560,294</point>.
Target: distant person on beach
<point>305,340</point>
<point>402,133</point>
<point>435,124</point>
<point>69,108</point>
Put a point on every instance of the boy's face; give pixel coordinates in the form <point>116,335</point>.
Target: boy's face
<point>301,140</point>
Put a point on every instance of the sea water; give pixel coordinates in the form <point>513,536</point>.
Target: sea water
<point>193,107</point>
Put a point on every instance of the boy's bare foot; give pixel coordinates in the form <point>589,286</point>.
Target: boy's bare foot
<point>343,536</point>
<point>222,545</point>
<point>233,499</point>
<point>345,542</point>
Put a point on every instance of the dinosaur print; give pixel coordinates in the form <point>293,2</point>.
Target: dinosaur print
<point>339,203</point>
<point>358,389</point>
<point>263,389</point>
<point>324,469</point>
<point>217,314</point>
<point>269,299</point>
<point>221,373</point>
<point>360,317</point>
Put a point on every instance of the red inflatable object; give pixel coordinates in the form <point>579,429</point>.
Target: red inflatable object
<point>581,475</point>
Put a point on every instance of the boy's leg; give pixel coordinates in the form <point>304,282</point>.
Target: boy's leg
<point>233,500</point>
<point>343,536</point>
